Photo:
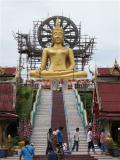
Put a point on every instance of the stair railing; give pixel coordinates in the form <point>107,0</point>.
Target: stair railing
<point>81,109</point>
<point>35,106</point>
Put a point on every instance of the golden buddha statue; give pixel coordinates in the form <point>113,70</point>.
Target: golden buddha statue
<point>61,59</point>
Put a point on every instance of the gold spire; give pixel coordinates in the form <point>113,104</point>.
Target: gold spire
<point>116,63</point>
<point>115,70</point>
<point>57,25</point>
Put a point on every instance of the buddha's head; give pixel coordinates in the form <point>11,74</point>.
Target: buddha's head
<point>57,33</point>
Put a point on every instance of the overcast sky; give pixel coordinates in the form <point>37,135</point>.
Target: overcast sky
<point>99,18</point>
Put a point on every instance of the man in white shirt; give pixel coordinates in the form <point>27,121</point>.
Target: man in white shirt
<point>60,87</point>
<point>76,140</point>
<point>90,140</point>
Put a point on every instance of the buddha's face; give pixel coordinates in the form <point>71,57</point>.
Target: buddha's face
<point>58,36</point>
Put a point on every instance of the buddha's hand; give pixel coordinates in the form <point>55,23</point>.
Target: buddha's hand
<point>39,68</point>
<point>39,71</point>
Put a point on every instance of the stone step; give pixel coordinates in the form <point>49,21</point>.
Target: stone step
<point>39,139</point>
<point>40,125</point>
<point>14,157</point>
<point>39,142</point>
<point>42,132</point>
<point>37,129</point>
<point>41,116</point>
<point>39,122</point>
<point>42,122</point>
<point>40,148</point>
<point>43,110</point>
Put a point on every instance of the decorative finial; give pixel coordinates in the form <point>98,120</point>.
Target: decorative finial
<point>115,70</point>
<point>57,24</point>
<point>115,63</point>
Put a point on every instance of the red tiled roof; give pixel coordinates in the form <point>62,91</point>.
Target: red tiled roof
<point>7,101</point>
<point>9,70</point>
<point>109,94</point>
<point>109,116</point>
<point>103,71</point>
<point>107,71</point>
<point>8,116</point>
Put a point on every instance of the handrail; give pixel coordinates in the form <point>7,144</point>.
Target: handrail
<point>35,106</point>
<point>81,109</point>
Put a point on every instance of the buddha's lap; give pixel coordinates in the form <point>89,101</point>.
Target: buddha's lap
<point>57,74</point>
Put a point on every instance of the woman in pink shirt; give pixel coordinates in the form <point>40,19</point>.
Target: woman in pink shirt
<point>103,140</point>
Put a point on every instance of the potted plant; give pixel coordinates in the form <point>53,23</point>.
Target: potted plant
<point>112,147</point>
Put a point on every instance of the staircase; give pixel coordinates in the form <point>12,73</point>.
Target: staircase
<point>42,122</point>
<point>74,121</point>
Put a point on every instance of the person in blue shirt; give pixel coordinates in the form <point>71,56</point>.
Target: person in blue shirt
<point>60,136</point>
<point>27,152</point>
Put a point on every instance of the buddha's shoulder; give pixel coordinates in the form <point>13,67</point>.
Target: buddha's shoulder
<point>46,49</point>
<point>62,48</point>
<point>54,49</point>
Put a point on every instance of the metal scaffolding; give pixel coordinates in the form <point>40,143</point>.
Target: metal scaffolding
<point>30,45</point>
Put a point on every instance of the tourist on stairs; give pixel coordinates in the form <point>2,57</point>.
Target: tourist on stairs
<point>27,152</point>
<point>49,140</point>
<point>90,140</point>
<point>76,140</point>
<point>103,141</point>
<point>60,136</point>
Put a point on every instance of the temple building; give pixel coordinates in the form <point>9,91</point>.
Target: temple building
<point>106,100</point>
<point>8,114</point>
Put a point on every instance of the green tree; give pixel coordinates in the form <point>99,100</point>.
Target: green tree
<point>86,98</point>
<point>24,101</point>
